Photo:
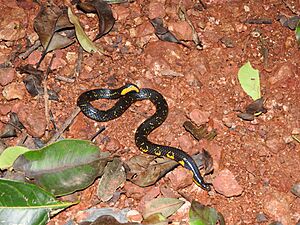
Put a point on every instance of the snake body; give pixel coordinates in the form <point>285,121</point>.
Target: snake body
<point>127,95</point>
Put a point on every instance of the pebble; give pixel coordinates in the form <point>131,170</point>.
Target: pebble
<point>186,143</point>
<point>7,75</point>
<point>284,72</point>
<point>296,189</point>
<point>12,26</point>
<point>156,9</point>
<point>33,120</point>
<point>14,91</point>
<point>144,29</point>
<point>121,12</point>
<point>182,30</point>
<point>180,178</point>
<point>199,117</point>
<point>134,216</point>
<point>134,191</point>
<point>277,206</point>
<point>4,109</point>
<point>226,184</point>
<point>261,217</point>
<point>274,144</point>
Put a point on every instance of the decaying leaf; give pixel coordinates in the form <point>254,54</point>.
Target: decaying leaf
<point>146,170</point>
<point>104,13</point>
<point>10,154</point>
<point>112,178</point>
<point>49,24</point>
<point>199,132</point>
<point>33,82</point>
<point>82,38</point>
<point>204,160</point>
<point>155,219</point>
<point>252,110</point>
<point>202,215</point>
<point>163,33</point>
<point>106,220</point>
<point>10,128</point>
<point>164,206</point>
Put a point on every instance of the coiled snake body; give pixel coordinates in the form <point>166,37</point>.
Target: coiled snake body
<point>127,95</point>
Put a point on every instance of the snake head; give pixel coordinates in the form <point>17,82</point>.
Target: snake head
<point>129,88</point>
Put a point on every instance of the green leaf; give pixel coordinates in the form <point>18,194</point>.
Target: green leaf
<point>249,80</point>
<point>203,215</point>
<point>63,167</point>
<point>10,154</point>
<point>164,206</point>
<point>298,32</point>
<point>83,39</point>
<point>23,203</point>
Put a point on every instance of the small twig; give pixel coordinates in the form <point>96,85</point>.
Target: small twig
<point>77,69</point>
<point>67,123</point>
<point>65,79</point>
<point>34,47</point>
<point>291,8</point>
<point>97,133</point>
<point>46,96</point>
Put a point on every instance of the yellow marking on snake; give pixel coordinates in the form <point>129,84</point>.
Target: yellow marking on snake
<point>144,150</point>
<point>170,155</point>
<point>157,152</point>
<point>181,162</point>
<point>129,89</point>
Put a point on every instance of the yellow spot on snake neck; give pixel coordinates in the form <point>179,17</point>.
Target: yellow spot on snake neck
<point>181,162</point>
<point>129,89</point>
<point>144,150</point>
<point>170,155</point>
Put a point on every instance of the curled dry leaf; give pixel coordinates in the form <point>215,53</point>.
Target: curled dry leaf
<point>106,220</point>
<point>49,24</point>
<point>10,128</point>
<point>104,13</point>
<point>146,170</point>
<point>163,33</point>
<point>254,109</point>
<point>199,132</point>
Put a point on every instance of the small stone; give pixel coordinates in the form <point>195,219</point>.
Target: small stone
<point>180,178</point>
<point>186,143</point>
<point>283,73</point>
<point>199,117</point>
<point>226,184</point>
<point>134,191</point>
<point>33,120</point>
<point>5,109</point>
<point>121,12</point>
<point>144,29</point>
<point>277,205</point>
<point>134,216</point>
<point>14,91</point>
<point>296,189</point>
<point>182,30</point>
<point>113,145</point>
<point>7,75</point>
<point>156,9</point>
<point>295,131</point>
<point>274,144</point>
<point>261,217</point>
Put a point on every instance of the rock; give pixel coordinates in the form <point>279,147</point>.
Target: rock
<point>144,29</point>
<point>134,216</point>
<point>186,143</point>
<point>5,109</point>
<point>284,72</point>
<point>275,144</point>
<point>277,205</point>
<point>134,191</point>
<point>199,117</point>
<point>14,91</point>
<point>33,120</point>
<point>156,9</point>
<point>151,193</point>
<point>113,145</point>
<point>181,30</point>
<point>180,178</point>
<point>121,12</point>
<point>7,75</point>
<point>296,189</point>
<point>12,26</point>
<point>226,184</point>
<point>261,217</point>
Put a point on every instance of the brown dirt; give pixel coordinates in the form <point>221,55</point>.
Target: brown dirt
<point>261,155</point>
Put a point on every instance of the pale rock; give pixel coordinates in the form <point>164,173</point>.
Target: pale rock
<point>7,75</point>
<point>226,184</point>
<point>182,30</point>
<point>284,72</point>
<point>199,117</point>
<point>156,9</point>
<point>14,91</point>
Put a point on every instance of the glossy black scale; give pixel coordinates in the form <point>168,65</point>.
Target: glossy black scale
<point>127,95</point>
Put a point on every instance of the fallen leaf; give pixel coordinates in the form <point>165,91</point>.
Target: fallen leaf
<point>155,219</point>
<point>254,109</point>
<point>164,206</point>
<point>203,215</point>
<point>249,80</point>
<point>104,13</point>
<point>199,132</point>
<point>10,154</point>
<point>83,39</point>
<point>298,32</point>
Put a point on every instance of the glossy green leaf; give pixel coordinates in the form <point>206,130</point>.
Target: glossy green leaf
<point>249,80</point>
<point>164,206</point>
<point>63,167</point>
<point>203,215</point>
<point>10,154</point>
<point>298,32</point>
<point>26,204</point>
